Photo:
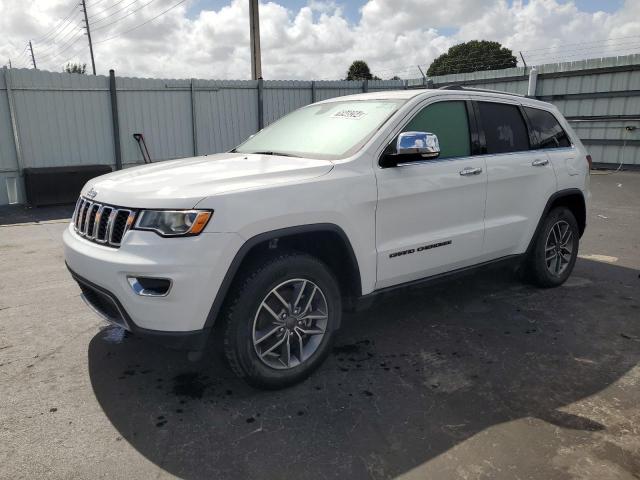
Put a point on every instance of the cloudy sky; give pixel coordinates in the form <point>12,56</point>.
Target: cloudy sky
<point>307,39</point>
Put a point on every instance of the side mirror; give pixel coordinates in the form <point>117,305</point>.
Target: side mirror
<point>421,143</point>
<point>411,147</point>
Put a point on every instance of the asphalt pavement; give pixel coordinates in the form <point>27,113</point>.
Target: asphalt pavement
<point>480,377</point>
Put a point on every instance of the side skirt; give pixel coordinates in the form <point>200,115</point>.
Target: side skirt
<point>364,301</point>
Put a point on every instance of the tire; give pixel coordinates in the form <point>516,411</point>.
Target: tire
<point>301,280</point>
<point>559,223</point>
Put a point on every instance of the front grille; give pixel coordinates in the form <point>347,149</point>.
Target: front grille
<point>104,224</point>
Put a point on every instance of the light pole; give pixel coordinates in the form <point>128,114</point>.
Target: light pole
<point>254,25</point>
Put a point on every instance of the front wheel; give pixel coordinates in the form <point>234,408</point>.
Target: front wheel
<point>555,250</point>
<point>281,319</point>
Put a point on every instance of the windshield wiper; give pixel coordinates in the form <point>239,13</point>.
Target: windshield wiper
<point>271,153</point>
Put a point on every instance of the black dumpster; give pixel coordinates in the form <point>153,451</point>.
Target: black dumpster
<point>58,185</point>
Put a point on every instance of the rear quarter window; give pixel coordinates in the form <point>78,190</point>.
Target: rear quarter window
<point>546,129</point>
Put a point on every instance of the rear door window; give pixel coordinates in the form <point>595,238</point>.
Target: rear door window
<point>546,129</point>
<point>504,128</point>
<point>449,122</point>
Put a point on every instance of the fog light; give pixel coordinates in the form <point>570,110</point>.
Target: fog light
<point>149,286</point>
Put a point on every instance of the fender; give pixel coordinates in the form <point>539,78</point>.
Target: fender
<point>270,235</point>
<point>559,194</point>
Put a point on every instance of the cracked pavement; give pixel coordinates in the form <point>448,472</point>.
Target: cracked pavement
<point>479,377</point>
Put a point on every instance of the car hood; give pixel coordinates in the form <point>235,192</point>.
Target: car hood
<point>183,183</point>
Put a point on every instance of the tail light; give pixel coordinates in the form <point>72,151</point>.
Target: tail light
<point>590,161</point>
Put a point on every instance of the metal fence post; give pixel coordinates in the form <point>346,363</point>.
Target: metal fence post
<point>260,104</point>
<point>313,91</point>
<point>14,120</point>
<point>533,83</point>
<point>194,124</point>
<point>114,118</point>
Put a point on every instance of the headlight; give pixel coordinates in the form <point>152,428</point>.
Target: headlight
<point>173,223</point>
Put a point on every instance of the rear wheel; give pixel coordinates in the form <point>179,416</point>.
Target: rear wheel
<point>281,319</point>
<point>555,250</point>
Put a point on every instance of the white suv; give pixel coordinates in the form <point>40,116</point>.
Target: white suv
<point>334,203</point>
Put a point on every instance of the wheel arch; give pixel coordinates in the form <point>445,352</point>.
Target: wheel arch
<point>573,199</point>
<point>327,241</point>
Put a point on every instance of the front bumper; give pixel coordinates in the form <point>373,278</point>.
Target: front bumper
<point>108,307</point>
<point>195,265</point>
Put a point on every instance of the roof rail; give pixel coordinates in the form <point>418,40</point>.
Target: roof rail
<point>468,89</point>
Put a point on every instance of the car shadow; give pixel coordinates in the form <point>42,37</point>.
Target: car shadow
<point>420,372</point>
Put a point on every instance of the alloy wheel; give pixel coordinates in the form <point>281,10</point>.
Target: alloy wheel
<point>290,324</point>
<point>559,248</point>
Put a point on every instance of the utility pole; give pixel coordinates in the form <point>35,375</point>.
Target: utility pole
<point>523,61</point>
<point>10,64</point>
<point>424,77</point>
<point>33,58</point>
<point>254,25</point>
<point>86,25</point>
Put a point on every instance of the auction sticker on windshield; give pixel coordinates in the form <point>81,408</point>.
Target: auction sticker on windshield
<point>352,114</point>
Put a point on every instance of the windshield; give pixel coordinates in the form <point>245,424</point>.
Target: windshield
<point>327,131</point>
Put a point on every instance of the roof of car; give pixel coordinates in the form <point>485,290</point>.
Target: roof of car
<point>423,92</point>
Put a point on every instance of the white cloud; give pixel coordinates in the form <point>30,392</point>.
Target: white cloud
<point>316,41</point>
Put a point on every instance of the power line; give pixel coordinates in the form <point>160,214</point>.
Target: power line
<point>105,9</point>
<point>53,52</point>
<point>46,35</point>
<point>115,13</point>
<point>493,60</point>
<point>61,36</point>
<point>53,46</point>
<point>21,60</point>
<point>471,63</point>
<point>142,24</point>
<point>67,47</point>
<point>62,32</point>
<point>76,54</point>
<point>97,3</point>
<point>24,50</point>
<point>498,60</point>
<point>594,47</point>
<point>580,43</point>
<point>73,50</point>
<point>592,54</point>
<point>474,63</point>
<point>394,69</point>
<point>123,17</point>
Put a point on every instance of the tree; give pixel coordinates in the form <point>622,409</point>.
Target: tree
<point>359,70</point>
<point>473,56</point>
<point>75,68</point>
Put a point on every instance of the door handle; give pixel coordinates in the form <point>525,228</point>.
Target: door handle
<point>540,162</point>
<point>470,171</point>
